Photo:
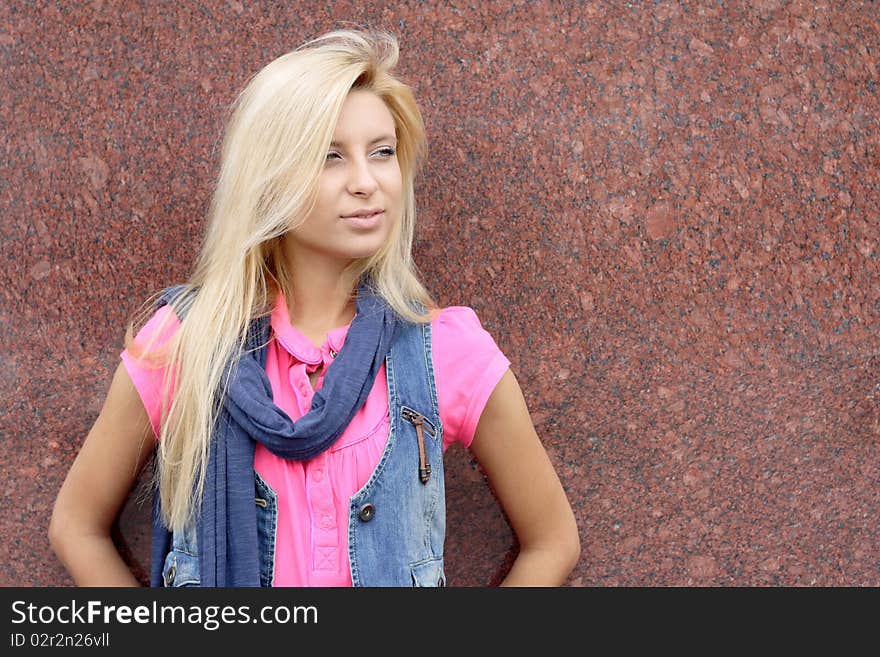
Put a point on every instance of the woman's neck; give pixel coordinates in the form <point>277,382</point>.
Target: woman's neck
<point>320,298</point>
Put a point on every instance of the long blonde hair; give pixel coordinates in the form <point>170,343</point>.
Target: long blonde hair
<point>273,151</point>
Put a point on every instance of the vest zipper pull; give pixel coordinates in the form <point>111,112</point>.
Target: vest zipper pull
<point>418,421</point>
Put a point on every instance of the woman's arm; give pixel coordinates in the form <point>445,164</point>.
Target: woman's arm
<point>99,481</point>
<point>510,453</point>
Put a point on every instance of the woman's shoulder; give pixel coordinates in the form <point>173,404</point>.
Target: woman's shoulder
<point>455,318</point>
<point>163,314</point>
<point>155,333</point>
<point>459,329</point>
<point>467,366</point>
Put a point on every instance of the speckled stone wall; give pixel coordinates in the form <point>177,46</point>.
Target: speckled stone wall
<point>665,212</point>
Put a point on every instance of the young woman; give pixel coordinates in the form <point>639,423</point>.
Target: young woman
<point>302,386</point>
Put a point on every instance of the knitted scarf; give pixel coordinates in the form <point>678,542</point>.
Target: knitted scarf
<point>227,531</point>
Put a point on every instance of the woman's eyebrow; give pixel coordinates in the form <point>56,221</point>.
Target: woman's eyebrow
<point>370,143</point>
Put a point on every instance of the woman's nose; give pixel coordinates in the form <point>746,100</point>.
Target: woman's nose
<point>361,181</point>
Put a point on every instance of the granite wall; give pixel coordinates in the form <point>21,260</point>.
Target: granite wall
<point>665,212</point>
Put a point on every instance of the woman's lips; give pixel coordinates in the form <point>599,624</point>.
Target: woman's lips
<point>363,221</point>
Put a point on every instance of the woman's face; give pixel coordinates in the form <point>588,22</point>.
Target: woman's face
<point>360,190</point>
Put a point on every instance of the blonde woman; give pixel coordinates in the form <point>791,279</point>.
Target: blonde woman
<point>299,391</point>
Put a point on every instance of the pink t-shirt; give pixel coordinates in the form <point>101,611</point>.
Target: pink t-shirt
<point>311,545</point>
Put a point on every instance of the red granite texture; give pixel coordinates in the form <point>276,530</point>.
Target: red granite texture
<point>665,212</point>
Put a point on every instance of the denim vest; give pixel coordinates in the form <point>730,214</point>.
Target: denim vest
<point>397,520</point>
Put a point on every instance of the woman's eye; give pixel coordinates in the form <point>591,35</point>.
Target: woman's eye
<point>333,155</point>
<point>385,151</point>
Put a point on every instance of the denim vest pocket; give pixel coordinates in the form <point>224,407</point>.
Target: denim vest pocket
<point>266,501</point>
<point>429,429</point>
<point>428,572</point>
<point>182,562</point>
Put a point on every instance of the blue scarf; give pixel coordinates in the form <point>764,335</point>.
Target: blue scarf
<point>227,530</point>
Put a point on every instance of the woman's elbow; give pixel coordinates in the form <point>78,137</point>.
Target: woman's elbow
<point>57,533</point>
<point>562,544</point>
<point>61,529</point>
<point>570,547</point>
<point>68,528</point>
